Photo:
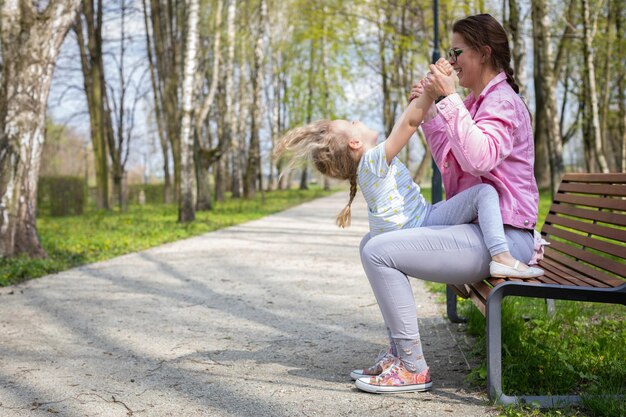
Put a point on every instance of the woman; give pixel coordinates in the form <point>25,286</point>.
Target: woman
<point>487,138</point>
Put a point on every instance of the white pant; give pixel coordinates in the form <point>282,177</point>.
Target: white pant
<point>448,254</point>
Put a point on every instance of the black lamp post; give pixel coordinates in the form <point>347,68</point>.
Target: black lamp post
<point>436,179</point>
<point>436,192</point>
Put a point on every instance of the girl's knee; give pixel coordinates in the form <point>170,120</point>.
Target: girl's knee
<point>486,190</point>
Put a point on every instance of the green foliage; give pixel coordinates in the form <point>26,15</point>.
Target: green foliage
<point>154,193</point>
<point>100,235</point>
<point>61,196</point>
<point>581,350</point>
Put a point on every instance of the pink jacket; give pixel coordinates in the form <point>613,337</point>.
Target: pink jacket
<point>488,140</point>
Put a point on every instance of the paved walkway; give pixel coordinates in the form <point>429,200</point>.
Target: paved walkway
<point>262,319</point>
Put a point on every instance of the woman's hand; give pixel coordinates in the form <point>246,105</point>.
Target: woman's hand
<point>440,81</point>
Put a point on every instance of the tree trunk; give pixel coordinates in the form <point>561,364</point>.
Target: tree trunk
<point>168,195</point>
<point>253,170</point>
<point>621,86</point>
<point>96,92</point>
<point>514,26</point>
<point>590,74</point>
<point>186,206</point>
<point>166,25</point>
<point>304,178</point>
<point>204,154</point>
<point>231,115</point>
<point>25,84</point>
<point>542,160</point>
<point>545,91</point>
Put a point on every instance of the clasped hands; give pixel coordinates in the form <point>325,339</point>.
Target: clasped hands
<point>439,81</point>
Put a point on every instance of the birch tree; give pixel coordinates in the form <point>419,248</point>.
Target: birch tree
<point>186,207</point>
<point>621,84</point>
<point>596,134</point>
<point>231,114</point>
<point>206,153</point>
<point>254,174</point>
<point>24,86</point>
<point>545,90</point>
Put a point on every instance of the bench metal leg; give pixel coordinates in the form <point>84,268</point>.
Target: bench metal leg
<point>493,315</point>
<point>451,304</point>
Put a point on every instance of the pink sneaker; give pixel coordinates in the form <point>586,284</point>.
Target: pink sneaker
<point>383,362</point>
<point>396,379</point>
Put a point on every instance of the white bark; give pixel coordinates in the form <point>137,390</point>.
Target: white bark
<point>231,114</point>
<point>593,94</point>
<point>27,77</point>
<point>186,211</point>
<point>544,70</point>
<point>208,100</point>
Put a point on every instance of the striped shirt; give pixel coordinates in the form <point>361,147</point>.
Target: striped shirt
<point>394,201</point>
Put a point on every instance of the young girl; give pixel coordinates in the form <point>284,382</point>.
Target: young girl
<point>348,151</point>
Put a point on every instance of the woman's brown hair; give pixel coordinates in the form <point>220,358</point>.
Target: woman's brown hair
<point>484,30</point>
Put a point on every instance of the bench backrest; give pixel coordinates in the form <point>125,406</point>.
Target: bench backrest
<point>586,228</point>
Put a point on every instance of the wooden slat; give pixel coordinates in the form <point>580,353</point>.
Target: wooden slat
<point>496,281</point>
<point>478,294</point>
<point>609,203</point>
<point>601,216</point>
<point>594,229</point>
<point>579,266</point>
<point>602,178</point>
<point>588,242</point>
<point>569,275</point>
<point>589,257</point>
<point>598,189</point>
<point>546,278</point>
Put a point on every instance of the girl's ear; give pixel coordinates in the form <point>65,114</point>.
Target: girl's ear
<point>355,144</point>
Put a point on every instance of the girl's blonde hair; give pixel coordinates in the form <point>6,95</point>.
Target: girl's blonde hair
<point>329,152</point>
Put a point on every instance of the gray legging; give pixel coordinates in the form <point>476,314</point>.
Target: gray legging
<point>448,254</point>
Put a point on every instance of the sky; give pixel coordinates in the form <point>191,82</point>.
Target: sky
<point>67,104</point>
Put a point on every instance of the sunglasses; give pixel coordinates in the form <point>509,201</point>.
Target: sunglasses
<point>453,54</point>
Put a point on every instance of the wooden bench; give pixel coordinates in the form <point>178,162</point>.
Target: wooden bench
<point>585,261</point>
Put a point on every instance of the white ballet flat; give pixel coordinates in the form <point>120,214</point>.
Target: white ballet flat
<point>499,270</point>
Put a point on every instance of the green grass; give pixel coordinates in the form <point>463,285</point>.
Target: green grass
<point>581,350</point>
<point>100,235</point>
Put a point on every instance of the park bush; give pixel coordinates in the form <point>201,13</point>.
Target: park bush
<point>154,193</point>
<point>61,196</point>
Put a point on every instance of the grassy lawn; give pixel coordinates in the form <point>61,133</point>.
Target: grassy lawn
<point>100,235</point>
<point>581,350</point>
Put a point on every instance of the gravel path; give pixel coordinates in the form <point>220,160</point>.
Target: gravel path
<point>262,319</point>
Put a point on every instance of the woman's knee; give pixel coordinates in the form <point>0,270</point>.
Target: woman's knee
<point>371,251</point>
